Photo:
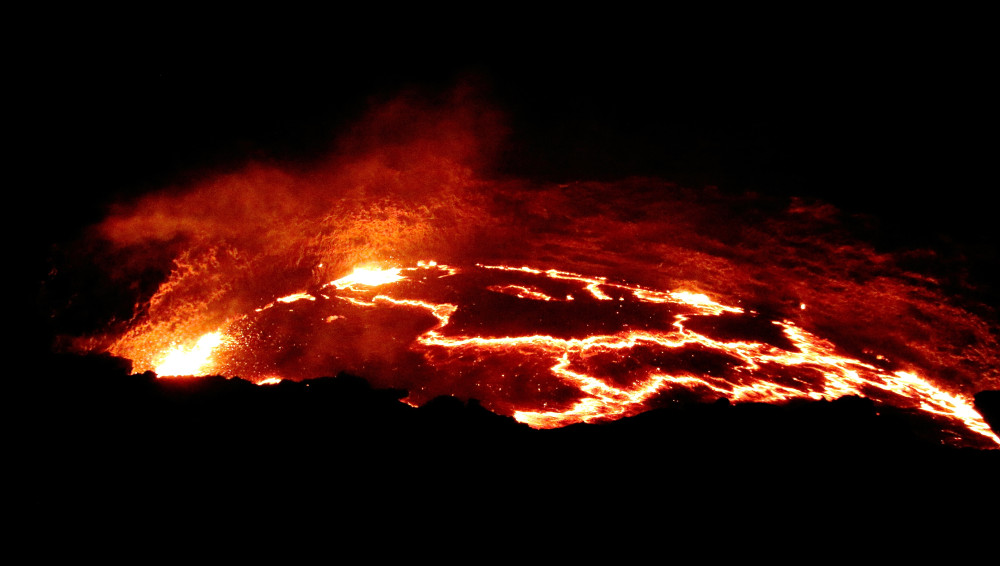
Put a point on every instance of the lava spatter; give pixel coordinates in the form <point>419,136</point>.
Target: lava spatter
<point>193,360</point>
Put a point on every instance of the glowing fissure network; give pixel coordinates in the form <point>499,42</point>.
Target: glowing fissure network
<point>608,372</point>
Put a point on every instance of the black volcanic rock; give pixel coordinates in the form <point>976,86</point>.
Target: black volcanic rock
<point>96,422</point>
<point>988,405</point>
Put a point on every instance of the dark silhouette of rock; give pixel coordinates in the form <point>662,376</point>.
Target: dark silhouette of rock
<point>988,405</point>
<point>86,426</point>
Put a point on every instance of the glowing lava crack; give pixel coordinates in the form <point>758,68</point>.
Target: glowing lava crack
<point>551,348</point>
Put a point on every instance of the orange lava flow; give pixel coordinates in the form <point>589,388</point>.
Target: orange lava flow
<point>522,292</point>
<point>589,365</point>
<point>603,400</point>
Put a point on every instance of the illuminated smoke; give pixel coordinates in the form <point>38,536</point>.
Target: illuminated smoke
<point>401,184</point>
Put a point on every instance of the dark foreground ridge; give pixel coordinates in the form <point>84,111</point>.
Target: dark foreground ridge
<point>88,435</point>
<point>90,408</point>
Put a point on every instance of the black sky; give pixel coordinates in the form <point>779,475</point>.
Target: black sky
<point>853,110</point>
<point>883,114</point>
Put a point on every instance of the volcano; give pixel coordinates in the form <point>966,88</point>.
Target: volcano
<point>582,269</point>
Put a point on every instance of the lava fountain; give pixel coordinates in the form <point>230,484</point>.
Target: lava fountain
<point>552,303</point>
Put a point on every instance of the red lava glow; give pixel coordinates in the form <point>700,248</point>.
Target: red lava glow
<point>554,304</point>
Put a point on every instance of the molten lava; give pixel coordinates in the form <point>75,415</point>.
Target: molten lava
<point>614,351</point>
<point>368,277</point>
<point>193,360</point>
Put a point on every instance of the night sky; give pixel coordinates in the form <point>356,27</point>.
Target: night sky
<point>873,117</point>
